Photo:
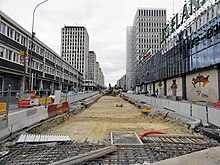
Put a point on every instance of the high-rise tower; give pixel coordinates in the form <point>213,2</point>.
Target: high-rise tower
<point>75,47</point>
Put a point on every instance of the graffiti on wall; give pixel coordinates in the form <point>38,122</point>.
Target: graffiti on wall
<point>200,93</point>
<point>160,85</point>
<point>200,79</point>
<point>174,87</point>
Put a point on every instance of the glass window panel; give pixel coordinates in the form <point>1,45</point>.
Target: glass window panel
<point>217,53</point>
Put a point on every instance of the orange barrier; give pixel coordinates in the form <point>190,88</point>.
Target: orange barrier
<point>3,107</point>
<point>218,104</point>
<point>65,107</point>
<point>33,94</point>
<point>24,104</point>
<point>57,109</point>
<point>42,100</point>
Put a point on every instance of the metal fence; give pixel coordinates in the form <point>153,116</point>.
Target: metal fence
<point>11,97</point>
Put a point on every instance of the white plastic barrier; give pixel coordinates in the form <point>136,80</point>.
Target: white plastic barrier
<point>153,100</point>
<point>27,117</point>
<point>158,102</point>
<point>165,103</point>
<point>199,111</point>
<point>214,116</point>
<point>144,99</point>
<point>185,108</point>
<point>174,106</point>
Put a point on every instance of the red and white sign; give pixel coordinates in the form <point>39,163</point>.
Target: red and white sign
<point>148,54</point>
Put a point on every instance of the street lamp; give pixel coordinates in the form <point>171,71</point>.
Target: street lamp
<point>32,38</point>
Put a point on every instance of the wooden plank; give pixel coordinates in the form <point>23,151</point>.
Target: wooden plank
<point>75,160</point>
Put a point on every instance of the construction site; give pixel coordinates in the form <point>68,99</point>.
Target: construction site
<point>108,129</point>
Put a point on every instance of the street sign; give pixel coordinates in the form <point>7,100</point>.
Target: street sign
<point>22,56</point>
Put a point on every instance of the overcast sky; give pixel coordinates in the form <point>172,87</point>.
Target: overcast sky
<point>105,20</point>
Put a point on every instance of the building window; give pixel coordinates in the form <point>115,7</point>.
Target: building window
<point>3,27</point>
<point>2,52</point>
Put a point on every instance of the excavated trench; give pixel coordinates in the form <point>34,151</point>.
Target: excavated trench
<point>106,115</point>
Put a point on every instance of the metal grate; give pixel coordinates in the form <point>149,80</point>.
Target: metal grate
<point>31,138</point>
<point>155,148</point>
<point>125,138</point>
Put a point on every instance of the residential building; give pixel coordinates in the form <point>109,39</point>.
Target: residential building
<point>129,61</point>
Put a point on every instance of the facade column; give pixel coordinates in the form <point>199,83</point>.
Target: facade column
<point>153,87</point>
<point>184,97</point>
<point>218,83</point>
<point>165,87</point>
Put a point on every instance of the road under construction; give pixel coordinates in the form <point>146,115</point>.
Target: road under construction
<point>107,131</point>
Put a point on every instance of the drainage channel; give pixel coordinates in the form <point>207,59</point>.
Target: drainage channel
<point>155,148</point>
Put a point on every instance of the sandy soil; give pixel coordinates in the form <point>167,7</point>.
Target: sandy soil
<point>97,122</point>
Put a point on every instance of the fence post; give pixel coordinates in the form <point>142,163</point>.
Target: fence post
<point>8,100</point>
<point>66,94</point>
<point>46,98</point>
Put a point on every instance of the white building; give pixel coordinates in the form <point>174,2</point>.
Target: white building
<point>129,55</point>
<point>91,65</point>
<point>147,26</point>
<point>75,47</point>
<point>96,74</point>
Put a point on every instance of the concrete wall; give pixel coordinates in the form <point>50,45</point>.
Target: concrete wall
<point>179,86</point>
<point>203,86</point>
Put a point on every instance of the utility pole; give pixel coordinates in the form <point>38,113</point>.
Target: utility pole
<point>31,53</point>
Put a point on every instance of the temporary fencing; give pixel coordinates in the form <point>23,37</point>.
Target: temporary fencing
<point>198,110</point>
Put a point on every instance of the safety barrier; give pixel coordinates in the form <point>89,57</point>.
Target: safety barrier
<point>214,116</point>
<point>26,117</point>
<point>24,104</point>
<point>79,96</point>
<point>23,118</point>
<point>42,101</point>
<point>199,111</point>
<point>185,108</point>
<point>57,109</point>
<point>3,107</point>
<point>196,110</point>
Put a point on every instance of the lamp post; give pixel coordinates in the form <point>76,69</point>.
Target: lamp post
<point>32,38</point>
